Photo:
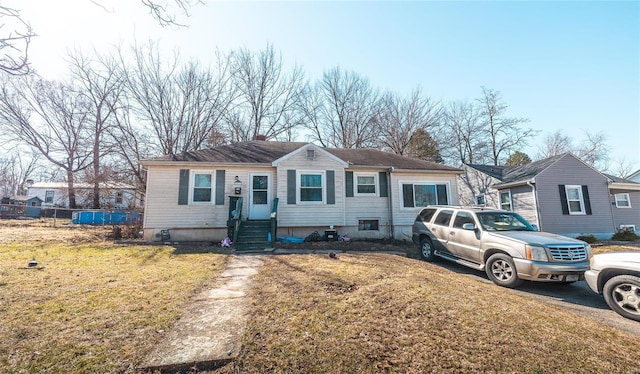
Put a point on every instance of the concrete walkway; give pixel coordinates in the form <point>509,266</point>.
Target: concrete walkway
<point>209,331</point>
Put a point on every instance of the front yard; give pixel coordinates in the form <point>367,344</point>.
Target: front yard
<point>92,306</point>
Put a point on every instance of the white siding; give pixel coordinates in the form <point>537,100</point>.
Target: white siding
<point>163,212</point>
<point>367,208</point>
<point>310,214</point>
<point>403,217</point>
<point>473,183</point>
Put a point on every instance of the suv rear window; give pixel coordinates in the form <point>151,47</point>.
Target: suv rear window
<point>443,217</point>
<point>426,214</point>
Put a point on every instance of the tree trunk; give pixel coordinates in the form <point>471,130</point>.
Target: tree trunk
<point>72,190</point>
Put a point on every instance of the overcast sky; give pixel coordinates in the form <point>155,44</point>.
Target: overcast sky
<point>573,66</point>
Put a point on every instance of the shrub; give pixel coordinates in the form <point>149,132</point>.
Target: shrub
<point>588,238</point>
<point>625,235</point>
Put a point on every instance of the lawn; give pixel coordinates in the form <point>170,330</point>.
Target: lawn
<point>90,305</point>
<point>94,306</point>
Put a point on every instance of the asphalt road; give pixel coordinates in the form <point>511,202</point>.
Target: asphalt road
<point>576,297</point>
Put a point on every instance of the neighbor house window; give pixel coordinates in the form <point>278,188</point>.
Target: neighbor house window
<point>575,200</point>
<point>366,184</point>
<point>311,187</point>
<point>480,200</point>
<point>119,195</point>
<point>48,197</point>
<point>419,195</point>
<point>368,225</point>
<point>201,187</point>
<point>505,200</point>
<point>622,200</point>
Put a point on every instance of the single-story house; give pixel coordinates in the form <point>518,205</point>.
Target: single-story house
<point>559,194</point>
<point>366,193</point>
<point>112,195</point>
<point>20,206</point>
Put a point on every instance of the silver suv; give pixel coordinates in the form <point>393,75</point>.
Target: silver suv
<point>502,243</point>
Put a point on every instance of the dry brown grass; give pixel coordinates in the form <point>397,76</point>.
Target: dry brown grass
<point>90,306</point>
<point>385,313</point>
<point>99,307</point>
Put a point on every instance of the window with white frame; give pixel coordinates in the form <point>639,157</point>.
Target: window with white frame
<point>420,195</point>
<point>48,197</point>
<point>366,184</point>
<point>480,200</point>
<point>622,200</point>
<point>505,200</point>
<point>201,187</point>
<point>575,200</point>
<point>311,187</point>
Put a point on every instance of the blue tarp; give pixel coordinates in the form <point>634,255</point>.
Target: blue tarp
<point>101,217</point>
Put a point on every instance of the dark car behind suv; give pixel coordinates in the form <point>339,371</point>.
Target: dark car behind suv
<point>501,243</point>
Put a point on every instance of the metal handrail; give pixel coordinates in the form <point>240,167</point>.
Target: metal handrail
<point>237,217</point>
<point>274,219</point>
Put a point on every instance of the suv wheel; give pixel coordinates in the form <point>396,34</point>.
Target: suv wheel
<point>502,271</point>
<point>622,294</point>
<point>426,250</point>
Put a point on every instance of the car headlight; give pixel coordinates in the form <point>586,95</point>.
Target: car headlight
<point>536,253</point>
<point>589,251</point>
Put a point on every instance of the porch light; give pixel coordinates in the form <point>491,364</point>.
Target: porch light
<point>237,186</point>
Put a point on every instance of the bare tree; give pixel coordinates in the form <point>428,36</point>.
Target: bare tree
<point>102,85</point>
<point>504,133</point>
<point>181,105</point>
<point>461,137</point>
<point>50,117</point>
<point>554,144</point>
<point>14,42</point>
<point>165,11</point>
<point>267,95</point>
<point>348,111</point>
<point>406,120</point>
<point>15,169</point>
<point>593,150</point>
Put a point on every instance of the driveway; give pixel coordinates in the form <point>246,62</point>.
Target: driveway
<point>576,297</point>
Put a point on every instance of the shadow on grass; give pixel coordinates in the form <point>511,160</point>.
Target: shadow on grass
<point>577,293</point>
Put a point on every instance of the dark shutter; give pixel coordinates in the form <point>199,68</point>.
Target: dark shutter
<point>407,195</point>
<point>563,199</point>
<point>291,186</point>
<point>219,187</point>
<point>382,181</point>
<point>348,180</point>
<point>331,187</point>
<point>587,202</point>
<point>441,191</point>
<point>183,187</point>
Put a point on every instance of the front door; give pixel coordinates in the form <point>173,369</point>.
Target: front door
<point>259,193</point>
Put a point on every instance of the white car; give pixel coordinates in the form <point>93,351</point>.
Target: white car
<point>616,275</point>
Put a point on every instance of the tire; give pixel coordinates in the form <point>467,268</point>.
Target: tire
<point>426,250</point>
<point>502,271</point>
<point>622,294</point>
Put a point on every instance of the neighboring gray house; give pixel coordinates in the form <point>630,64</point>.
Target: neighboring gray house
<point>634,177</point>
<point>559,194</point>
<point>112,195</point>
<point>364,192</point>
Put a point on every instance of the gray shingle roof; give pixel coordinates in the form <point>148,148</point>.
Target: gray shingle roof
<point>511,174</point>
<point>265,152</point>
<point>490,170</point>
